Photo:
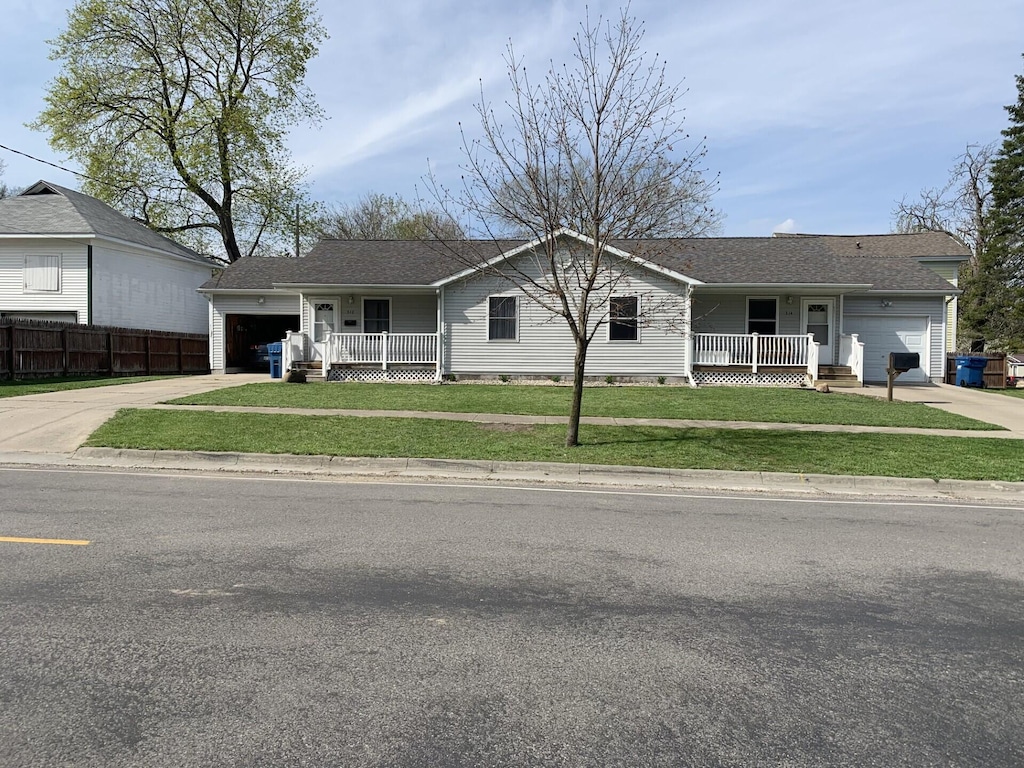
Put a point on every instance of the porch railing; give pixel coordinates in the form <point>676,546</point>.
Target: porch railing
<point>851,353</point>
<point>754,350</point>
<point>382,349</point>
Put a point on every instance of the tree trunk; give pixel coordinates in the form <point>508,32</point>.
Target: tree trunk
<point>572,435</point>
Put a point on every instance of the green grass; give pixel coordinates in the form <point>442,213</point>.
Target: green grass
<point>793,406</point>
<point>1010,392</point>
<point>892,455</point>
<point>39,386</point>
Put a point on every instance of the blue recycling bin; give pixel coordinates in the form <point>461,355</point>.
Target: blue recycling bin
<point>970,371</point>
<point>275,353</point>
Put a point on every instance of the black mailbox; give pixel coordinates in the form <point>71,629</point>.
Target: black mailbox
<point>904,361</point>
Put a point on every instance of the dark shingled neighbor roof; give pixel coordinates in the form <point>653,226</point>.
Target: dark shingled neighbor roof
<point>360,262</point>
<point>886,262</point>
<point>49,209</point>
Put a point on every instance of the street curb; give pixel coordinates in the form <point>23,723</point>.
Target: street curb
<point>591,475</point>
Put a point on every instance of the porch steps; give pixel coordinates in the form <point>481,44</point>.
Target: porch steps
<point>837,376</point>
<point>314,369</point>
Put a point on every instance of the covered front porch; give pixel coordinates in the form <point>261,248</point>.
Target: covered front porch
<point>757,359</point>
<point>371,357</point>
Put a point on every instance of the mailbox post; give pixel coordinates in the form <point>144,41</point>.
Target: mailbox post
<point>901,362</point>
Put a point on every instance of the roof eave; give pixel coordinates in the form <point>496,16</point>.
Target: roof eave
<point>715,287</point>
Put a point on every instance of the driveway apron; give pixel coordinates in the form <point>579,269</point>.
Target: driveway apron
<point>59,422</point>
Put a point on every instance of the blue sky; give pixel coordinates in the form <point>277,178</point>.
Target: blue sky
<point>819,115</point>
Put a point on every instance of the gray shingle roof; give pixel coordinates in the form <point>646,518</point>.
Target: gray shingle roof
<point>358,262</point>
<point>49,209</point>
<point>887,262</point>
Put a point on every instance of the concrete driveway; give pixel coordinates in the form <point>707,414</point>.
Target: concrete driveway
<point>979,404</point>
<point>59,422</point>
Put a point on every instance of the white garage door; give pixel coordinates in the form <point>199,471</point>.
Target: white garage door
<point>882,335</point>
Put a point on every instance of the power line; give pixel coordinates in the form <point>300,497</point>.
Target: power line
<point>87,177</point>
<point>52,165</point>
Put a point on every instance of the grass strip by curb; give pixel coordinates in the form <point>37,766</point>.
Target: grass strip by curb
<point>891,455</point>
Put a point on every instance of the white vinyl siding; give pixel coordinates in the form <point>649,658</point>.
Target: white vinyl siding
<point>42,273</point>
<point>71,300</point>
<point>142,290</point>
<point>545,346</point>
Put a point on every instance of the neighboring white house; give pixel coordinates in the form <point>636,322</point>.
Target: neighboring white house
<point>68,257</point>
<point>767,311</point>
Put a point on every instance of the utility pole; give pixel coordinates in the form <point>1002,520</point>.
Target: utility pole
<point>296,230</point>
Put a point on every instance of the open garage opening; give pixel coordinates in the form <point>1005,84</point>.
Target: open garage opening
<point>244,335</point>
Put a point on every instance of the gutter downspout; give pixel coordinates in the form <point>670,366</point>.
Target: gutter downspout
<point>88,290</point>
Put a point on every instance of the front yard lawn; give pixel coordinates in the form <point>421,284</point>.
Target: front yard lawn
<point>891,455</point>
<point>792,406</point>
<point>14,388</point>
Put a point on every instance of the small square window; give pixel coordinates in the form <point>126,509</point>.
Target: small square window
<point>502,317</point>
<point>623,316</point>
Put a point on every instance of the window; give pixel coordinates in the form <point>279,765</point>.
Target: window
<point>376,315</point>
<point>623,315</point>
<point>42,274</point>
<point>762,316</point>
<point>502,314</point>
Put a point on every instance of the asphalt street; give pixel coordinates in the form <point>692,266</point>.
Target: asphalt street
<point>247,621</point>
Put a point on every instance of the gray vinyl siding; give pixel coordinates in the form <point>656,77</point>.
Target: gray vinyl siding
<point>232,304</point>
<point>934,308</point>
<point>727,313</point>
<point>544,346</point>
<point>410,313</point>
<point>73,295</point>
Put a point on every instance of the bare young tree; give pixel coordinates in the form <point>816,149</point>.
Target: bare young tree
<point>957,208</point>
<point>376,216</point>
<point>597,148</point>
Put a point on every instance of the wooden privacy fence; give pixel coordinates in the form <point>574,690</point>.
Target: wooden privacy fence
<point>32,349</point>
<point>994,374</point>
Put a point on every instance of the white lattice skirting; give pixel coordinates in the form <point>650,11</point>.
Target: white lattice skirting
<point>378,375</point>
<point>737,379</point>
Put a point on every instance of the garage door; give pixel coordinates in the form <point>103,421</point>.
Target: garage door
<point>882,335</point>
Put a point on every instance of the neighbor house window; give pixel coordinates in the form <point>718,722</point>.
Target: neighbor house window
<point>42,274</point>
<point>502,316</point>
<point>623,317</point>
<point>763,316</point>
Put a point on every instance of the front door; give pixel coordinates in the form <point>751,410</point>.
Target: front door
<point>323,327</point>
<point>818,318</point>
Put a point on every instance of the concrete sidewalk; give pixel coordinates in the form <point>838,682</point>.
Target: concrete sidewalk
<point>59,422</point>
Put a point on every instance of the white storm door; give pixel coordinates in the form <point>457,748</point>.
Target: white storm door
<point>324,324</point>
<point>818,318</point>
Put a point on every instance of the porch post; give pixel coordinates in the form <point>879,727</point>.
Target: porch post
<point>384,350</point>
<point>812,357</point>
<point>754,352</point>
<point>437,335</point>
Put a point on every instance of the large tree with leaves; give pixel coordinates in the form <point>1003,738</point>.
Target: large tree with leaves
<point>597,147</point>
<point>178,110</point>
<point>1003,253</point>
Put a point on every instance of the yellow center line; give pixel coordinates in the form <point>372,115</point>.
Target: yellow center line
<point>20,540</point>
